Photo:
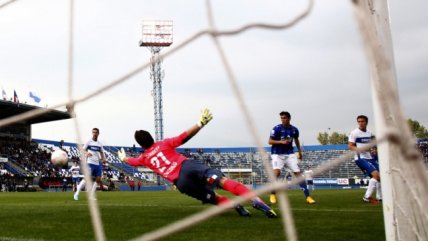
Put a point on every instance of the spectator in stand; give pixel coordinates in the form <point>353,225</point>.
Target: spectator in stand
<point>126,179</point>
<point>131,183</point>
<point>358,138</point>
<point>13,185</point>
<point>26,184</point>
<point>190,176</point>
<point>140,183</point>
<point>64,184</point>
<point>111,186</point>
<point>61,145</point>
<point>282,153</point>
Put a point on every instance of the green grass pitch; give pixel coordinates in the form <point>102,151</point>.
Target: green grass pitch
<point>337,215</point>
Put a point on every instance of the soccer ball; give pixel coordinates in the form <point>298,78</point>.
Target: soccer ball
<point>59,157</point>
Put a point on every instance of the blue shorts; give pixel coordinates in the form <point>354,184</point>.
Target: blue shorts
<point>198,180</point>
<point>367,166</point>
<point>95,170</point>
<point>75,180</point>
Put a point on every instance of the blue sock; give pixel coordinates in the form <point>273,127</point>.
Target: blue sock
<point>305,188</point>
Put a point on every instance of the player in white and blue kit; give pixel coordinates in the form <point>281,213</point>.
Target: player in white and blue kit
<point>94,153</point>
<point>358,138</point>
<point>282,153</point>
<point>75,175</point>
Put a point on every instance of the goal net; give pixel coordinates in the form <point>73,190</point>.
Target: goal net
<point>403,175</point>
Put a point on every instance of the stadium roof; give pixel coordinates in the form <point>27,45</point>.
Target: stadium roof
<point>9,108</point>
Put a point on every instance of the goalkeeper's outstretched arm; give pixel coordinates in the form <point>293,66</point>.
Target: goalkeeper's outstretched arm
<point>132,161</point>
<point>206,117</point>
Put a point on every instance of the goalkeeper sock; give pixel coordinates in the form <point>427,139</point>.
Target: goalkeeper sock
<point>372,185</point>
<point>221,199</point>
<point>235,187</point>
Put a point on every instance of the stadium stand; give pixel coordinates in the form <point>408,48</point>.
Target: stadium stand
<point>30,159</point>
<point>235,160</point>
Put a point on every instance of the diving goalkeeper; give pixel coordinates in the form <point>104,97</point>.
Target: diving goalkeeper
<point>190,176</point>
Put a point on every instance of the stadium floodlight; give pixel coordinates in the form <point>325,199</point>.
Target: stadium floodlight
<point>156,33</point>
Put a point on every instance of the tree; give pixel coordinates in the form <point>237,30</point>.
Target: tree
<point>417,129</point>
<point>323,138</point>
<point>338,138</point>
<point>335,138</point>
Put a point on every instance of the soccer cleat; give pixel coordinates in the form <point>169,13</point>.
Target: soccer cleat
<point>310,200</point>
<point>370,200</point>
<point>272,198</point>
<point>260,205</point>
<point>76,197</point>
<point>243,212</point>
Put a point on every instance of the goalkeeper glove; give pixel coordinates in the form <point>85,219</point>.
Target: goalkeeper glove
<point>206,116</point>
<point>121,154</point>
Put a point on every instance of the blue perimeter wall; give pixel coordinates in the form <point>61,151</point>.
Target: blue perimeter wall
<point>213,150</point>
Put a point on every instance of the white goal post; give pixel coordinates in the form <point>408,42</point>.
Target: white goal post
<point>403,176</point>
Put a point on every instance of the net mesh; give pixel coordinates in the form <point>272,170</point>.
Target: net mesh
<point>403,174</point>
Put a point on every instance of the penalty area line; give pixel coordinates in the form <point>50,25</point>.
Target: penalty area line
<point>337,210</point>
<point>2,238</point>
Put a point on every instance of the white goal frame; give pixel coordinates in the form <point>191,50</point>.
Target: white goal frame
<point>403,176</point>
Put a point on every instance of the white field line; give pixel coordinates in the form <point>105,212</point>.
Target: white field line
<point>198,206</point>
<point>17,239</point>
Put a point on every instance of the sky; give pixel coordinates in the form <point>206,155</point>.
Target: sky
<point>316,70</point>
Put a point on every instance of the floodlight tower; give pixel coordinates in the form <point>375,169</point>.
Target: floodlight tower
<point>156,35</point>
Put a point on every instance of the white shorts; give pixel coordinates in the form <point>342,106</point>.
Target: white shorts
<point>289,161</point>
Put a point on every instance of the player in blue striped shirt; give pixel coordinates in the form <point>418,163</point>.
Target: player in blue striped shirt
<point>361,137</point>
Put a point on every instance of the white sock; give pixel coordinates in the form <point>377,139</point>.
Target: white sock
<point>372,186</point>
<point>80,186</point>
<point>378,191</point>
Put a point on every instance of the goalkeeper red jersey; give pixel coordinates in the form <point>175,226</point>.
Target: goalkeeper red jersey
<point>162,157</point>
